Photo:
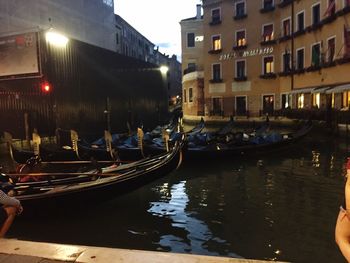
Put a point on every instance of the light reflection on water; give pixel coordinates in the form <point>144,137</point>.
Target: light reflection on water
<point>280,206</point>
<point>173,205</point>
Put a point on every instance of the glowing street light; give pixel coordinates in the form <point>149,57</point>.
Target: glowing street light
<point>56,39</point>
<point>163,69</point>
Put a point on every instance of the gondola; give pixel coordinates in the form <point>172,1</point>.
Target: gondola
<point>60,191</point>
<point>241,143</point>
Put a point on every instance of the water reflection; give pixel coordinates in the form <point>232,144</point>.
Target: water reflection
<point>197,235</point>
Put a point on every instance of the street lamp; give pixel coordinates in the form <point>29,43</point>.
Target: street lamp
<point>163,69</point>
<point>56,39</point>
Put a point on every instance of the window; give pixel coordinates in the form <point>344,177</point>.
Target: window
<point>240,38</point>
<point>286,62</point>
<point>345,99</point>
<point>240,9</point>
<point>300,99</point>
<point>215,16</point>
<point>316,14</point>
<point>191,66</point>
<point>216,72</point>
<point>185,96</point>
<point>240,69</point>
<point>267,4</point>
<point>268,65</point>
<point>300,59</point>
<point>346,41</point>
<point>190,95</point>
<point>286,101</point>
<point>330,49</point>
<point>316,55</point>
<point>330,8</point>
<point>300,21</point>
<point>286,27</point>
<point>316,100</point>
<point>216,42</point>
<point>190,39</point>
<point>268,32</point>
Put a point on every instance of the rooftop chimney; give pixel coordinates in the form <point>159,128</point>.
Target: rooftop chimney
<point>199,11</point>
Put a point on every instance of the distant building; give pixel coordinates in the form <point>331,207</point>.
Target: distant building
<point>132,43</point>
<point>247,58</point>
<point>88,21</point>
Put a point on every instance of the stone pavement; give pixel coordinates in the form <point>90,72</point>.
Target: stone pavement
<point>17,251</point>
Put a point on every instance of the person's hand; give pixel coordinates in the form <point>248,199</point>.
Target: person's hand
<point>19,209</point>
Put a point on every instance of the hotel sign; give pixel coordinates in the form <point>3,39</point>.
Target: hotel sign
<point>247,53</point>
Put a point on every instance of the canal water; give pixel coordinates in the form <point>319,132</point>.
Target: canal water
<point>278,206</point>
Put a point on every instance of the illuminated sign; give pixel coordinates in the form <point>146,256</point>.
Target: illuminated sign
<point>19,55</point>
<point>247,53</point>
<point>199,38</point>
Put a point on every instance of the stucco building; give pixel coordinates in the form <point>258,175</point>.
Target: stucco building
<point>257,57</point>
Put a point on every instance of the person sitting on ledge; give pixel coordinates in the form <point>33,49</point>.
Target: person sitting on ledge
<point>9,209</point>
<point>342,228</point>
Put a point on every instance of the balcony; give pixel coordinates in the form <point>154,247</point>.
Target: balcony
<point>215,51</point>
<point>299,32</point>
<point>343,11</point>
<point>284,38</point>
<point>240,47</point>
<point>329,19</point>
<point>268,42</point>
<point>314,68</point>
<point>241,78</point>
<point>315,26</point>
<point>216,21</point>
<point>267,8</point>
<point>285,3</point>
<point>216,80</point>
<point>270,75</point>
<point>240,16</point>
<point>285,73</point>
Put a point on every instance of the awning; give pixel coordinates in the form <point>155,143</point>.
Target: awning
<point>320,89</point>
<point>297,91</point>
<point>338,89</point>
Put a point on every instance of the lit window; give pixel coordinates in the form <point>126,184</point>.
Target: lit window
<point>240,38</point>
<point>216,42</point>
<point>268,32</point>
<point>316,100</point>
<point>300,101</point>
<point>268,65</point>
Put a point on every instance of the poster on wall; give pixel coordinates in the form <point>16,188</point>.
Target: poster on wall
<point>19,55</point>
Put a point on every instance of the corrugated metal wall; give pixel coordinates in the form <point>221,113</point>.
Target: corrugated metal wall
<point>86,82</point>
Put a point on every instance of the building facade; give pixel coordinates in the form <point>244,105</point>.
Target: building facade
<point>262,56</point>
<point>132,43</point>
<point>88,21</point>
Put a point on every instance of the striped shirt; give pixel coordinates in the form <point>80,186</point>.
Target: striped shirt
<point>7,200</point>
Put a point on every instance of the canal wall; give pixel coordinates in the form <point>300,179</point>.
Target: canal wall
<point>34,252</point>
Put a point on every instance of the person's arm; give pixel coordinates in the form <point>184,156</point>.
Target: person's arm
<point>7,200</point>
